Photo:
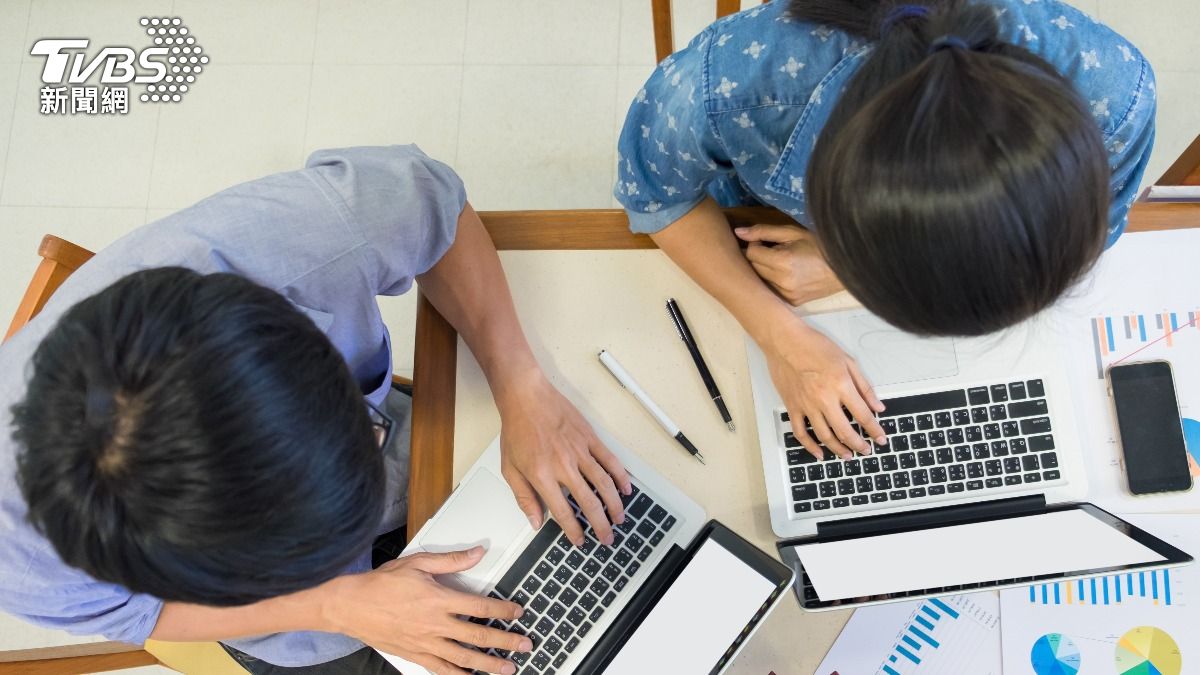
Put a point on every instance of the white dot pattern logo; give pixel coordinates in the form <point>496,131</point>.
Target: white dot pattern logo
<point>184,58</point>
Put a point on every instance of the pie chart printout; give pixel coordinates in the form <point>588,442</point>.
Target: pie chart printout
<point>1147,650</point>
<point>1055,654</point>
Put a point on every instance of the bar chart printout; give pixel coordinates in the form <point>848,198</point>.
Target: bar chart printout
<point>1127,337</point>
<point>1147,588</point>
<point>939,636</point>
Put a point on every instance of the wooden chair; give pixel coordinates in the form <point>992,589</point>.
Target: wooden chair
<point>664,32</point>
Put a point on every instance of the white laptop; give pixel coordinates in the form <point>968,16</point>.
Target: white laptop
<point>675,593</point>
<point>975,489</point>
<point>967,420</point>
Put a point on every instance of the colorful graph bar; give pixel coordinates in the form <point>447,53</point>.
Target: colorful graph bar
<point>1154,586</point>
<point>919,634</point>
<point>1115,337</point>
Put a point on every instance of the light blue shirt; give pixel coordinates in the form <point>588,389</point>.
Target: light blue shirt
<point>736,113</point>
<point>353,224</point>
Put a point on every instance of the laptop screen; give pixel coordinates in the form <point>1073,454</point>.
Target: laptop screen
<point>690,629</point>
<point>1050,543</point>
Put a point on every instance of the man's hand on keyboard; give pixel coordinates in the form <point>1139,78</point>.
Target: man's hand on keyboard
<point>817,380</point>
<point>401,609</point>
<point>547,445</point>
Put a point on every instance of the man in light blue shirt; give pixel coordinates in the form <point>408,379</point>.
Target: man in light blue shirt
<point>199,425</point>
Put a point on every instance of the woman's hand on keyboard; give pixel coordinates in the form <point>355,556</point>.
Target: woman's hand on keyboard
<point>819,381</point>
<point>401,609</point>
<point>547,445</point>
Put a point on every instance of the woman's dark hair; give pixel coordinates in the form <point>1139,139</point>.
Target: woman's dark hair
<point>961,184</point>
<point>197,438</point>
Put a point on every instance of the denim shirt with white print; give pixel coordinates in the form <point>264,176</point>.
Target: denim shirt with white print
<point>737,112</point>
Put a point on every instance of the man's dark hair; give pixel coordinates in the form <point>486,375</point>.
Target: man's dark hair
<point>197,438</point>
<point>961,184</point>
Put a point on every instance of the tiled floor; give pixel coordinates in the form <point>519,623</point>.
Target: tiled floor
<point>523,97</point>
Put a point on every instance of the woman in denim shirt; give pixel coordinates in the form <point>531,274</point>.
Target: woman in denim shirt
<point>954,164</point>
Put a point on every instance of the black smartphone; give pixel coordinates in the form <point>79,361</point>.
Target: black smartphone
<point>1150,427</point>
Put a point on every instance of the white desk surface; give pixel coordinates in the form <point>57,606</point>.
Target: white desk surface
<point>572,304</point>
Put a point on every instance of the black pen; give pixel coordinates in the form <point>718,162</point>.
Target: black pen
<point>686,335</point>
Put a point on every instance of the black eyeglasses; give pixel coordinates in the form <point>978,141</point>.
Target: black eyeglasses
<point>381,424</point>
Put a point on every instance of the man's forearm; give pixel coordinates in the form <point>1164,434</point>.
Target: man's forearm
<point>468,287</point>
<point>304,610</point>
<point>703,246</point>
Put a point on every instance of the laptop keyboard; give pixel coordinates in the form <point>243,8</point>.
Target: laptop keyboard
<point>979,439</point>
<point>565,590</point>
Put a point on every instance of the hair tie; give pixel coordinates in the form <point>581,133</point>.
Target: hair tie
<point>948,42</point>
<point>901,13</point>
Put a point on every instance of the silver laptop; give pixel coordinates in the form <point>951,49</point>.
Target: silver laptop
<point>968,421</point>
<point>674,593</point>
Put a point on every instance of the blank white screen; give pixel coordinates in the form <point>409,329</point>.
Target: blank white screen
<point>696,620</point>
<point>1048,543</point>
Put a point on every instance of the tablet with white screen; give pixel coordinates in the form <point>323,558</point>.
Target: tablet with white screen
<point>703,608</point>
<point>998,551</point>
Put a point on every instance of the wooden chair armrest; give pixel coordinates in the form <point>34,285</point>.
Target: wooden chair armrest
<point>93,657</point>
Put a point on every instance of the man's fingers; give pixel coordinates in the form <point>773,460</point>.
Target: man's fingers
<point>607,489</point>
<point>562,512</point>
<point>526,496</point>
<point>436,665</point>
<point>612,465</point>
<point>487,638</point>
<point>482,607</point>
<point>448,563</point>
<point>592,509</point>
<point>778,234</point>
<point>473,660</point>
<point>865,388</point>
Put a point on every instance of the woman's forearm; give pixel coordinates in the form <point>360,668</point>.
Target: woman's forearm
<point>703,245</point>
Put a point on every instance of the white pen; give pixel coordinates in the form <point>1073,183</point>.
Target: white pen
<point>630,385</point>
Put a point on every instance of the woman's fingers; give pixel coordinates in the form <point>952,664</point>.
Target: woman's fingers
<point>826,434</point>
<point>835,415</point>
<point>866,418</point>
<point>801,433</point>
<point>865,388</point>
<point>776,234</point>
<point>770,257</point>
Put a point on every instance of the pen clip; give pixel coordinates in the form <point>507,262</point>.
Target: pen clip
<point>673,311</point>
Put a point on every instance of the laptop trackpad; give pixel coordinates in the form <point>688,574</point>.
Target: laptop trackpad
<point>888,355</point>
<point>475,517</point>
